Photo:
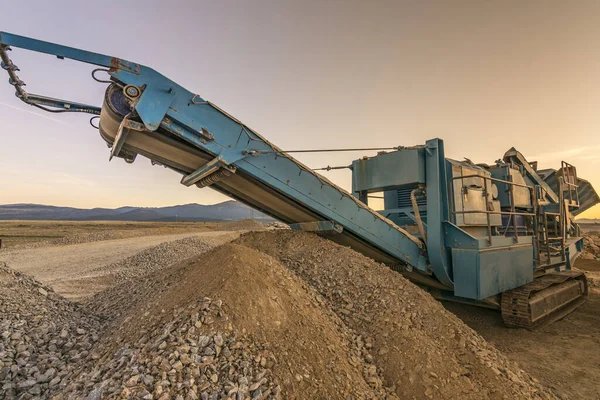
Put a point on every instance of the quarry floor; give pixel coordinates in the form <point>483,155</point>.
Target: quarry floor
<point>564,357</point>
<point>76,271</point>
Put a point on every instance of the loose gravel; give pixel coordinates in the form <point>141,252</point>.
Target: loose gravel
<point>423,350</point>
<point>275,315</point>
<point>43,338</point>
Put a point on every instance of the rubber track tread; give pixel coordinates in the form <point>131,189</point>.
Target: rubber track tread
<point>515,303</point>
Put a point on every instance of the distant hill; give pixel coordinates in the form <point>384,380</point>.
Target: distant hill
<point>226,211</point>
<point>588,221</point>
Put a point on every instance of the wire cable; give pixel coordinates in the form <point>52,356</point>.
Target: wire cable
<point>331,150</point>
<point>328,168</point>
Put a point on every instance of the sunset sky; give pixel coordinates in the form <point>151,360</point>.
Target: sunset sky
<point>482,75</point>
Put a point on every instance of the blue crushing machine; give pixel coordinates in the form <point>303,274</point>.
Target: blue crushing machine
<point>499,235</point>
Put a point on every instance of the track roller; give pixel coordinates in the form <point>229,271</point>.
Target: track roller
<point>545,300</point>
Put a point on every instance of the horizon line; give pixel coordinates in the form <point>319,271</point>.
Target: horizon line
<point>114,208</point>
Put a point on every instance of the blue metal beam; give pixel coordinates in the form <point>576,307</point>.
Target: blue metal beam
<point>317,226</point>
<point>437,211</point>
<point>40,46</point>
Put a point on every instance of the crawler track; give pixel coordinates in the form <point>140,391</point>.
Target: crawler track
<point>545,300</point>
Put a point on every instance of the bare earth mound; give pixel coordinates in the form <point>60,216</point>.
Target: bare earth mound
<point>423,350</point>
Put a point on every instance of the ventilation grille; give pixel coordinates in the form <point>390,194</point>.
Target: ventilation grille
<point>404,199</point>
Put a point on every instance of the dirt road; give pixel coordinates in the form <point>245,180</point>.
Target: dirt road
<point>66,268</point>
<point>563,357</point>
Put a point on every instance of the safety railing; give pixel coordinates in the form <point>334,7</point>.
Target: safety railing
<point>568,184</point>
<point>541,229</point>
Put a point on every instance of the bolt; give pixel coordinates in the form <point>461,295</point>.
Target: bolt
<point>132,91</point>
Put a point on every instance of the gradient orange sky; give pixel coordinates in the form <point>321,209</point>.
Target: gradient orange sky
<point>484,76</point>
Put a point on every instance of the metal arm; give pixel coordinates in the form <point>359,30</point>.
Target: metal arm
<point>57,105</point>
<point>35,100</point>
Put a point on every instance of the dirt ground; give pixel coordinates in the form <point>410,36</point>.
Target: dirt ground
<point>586,228</point>
<point>564,356</point>
<point>79,270</point>
<point>23,233</point>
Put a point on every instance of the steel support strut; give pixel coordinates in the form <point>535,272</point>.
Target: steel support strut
<point>437,211</point>
<point>57,105</point>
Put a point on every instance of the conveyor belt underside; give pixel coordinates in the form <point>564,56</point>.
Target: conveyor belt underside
<point>163,148</point>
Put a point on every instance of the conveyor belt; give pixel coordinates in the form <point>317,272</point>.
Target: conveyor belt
<point>364,229</point>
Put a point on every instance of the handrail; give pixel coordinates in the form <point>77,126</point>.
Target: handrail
<point>487,212</point>
<point>512,213</point>
<point>569,174</point>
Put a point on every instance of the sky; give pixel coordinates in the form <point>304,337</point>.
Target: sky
<point>482,75</point>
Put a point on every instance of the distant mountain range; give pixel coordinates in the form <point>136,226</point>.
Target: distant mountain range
<point>587,221</point>
<point>226,211</point>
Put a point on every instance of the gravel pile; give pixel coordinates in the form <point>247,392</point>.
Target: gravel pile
<point>43,338</point>
<point>275,315</point>
<point>306,348</point>
<point>133,280</point>
<point>318,355</point>
<point>157,257</point>
<point>591,246</point>
<point>189,357</point>
<point>242,225</point>
<point>423,350</point>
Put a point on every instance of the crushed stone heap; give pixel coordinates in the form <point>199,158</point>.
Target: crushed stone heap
<point>297,349</point>
<point>43,337</point>
<point>421,349</point>
<point>591,246</point>
<point>273,315</point>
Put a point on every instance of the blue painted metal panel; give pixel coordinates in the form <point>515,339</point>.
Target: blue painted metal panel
<point>479,274</point>
<point>505,269</point>
<point>457,238</point>
<point>317,226</point>
<point>573,251</point>
<point>437,211</point>
<point>65,52</point>
<point>466,273</point>
<point>587,196</point>
<point>389,170</point>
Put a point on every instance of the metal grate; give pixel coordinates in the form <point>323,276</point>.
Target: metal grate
<point>403,196</point>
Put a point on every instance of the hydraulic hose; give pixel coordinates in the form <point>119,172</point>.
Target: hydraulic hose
<point>413,200</point>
